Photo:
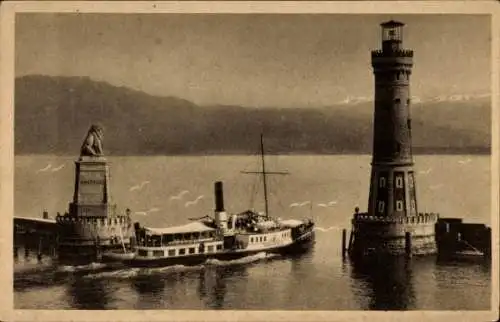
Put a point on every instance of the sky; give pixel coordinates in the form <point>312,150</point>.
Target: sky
<point>253,60</point>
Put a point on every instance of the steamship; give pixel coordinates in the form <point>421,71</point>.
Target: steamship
<point>223,237</point>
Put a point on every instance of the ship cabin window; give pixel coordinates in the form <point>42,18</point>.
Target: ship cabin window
<point>158,253</point>
<point>265,238</point>
<point>182,251</point>
<point>168,238</point>
<point>210,248</point>
<point>177,237</point>
<point>413,204</point>
<point>196,235</point>
<point>399,205</point>
<point>251,239</point>
<point>171,252</point>
<point>219,247</point>
<point>191,250</point>
<point>260,239</point>
<point>186,236</point>
<point>381,181</point>
<point>143,252</point>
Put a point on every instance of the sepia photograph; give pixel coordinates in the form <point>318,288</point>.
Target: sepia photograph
<point>252,160</point>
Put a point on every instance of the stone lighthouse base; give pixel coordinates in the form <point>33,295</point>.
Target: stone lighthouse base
<point>372,235</point>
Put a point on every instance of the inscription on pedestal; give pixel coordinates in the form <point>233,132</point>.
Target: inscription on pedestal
<point>92,186</point>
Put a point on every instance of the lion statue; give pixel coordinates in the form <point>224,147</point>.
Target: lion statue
<point>92,145</point>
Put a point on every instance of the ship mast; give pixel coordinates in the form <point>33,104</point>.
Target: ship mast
<point>264,175</point>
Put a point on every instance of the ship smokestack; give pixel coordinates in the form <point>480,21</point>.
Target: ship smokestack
<point>219,197</point>
<point>220,213</point>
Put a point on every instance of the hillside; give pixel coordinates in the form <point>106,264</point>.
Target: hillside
<point>52,115</point>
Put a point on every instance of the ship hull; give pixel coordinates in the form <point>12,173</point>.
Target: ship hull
<point>300,245</point>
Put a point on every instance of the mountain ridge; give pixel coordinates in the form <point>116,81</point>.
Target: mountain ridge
<point>53,113</point>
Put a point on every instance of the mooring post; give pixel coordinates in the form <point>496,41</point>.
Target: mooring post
<point>97,247</point>
<point>408,244</point>
<point>351,238</point>
<point>26,251</point>
<point>39,253</point>
<point>344,232</point>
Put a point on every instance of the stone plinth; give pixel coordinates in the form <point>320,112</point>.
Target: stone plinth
<point>92,223</point>
<point>91,191</point>
<point>382,235</point>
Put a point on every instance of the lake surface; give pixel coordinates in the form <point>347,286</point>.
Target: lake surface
<point>454,186</point>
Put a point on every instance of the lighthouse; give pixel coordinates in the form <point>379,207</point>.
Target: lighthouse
<point>392,184</point>
<point>392,223</point>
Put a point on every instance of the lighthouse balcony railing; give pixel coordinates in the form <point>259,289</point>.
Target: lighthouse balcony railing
<point>394,53</point>
<point>421,218</point>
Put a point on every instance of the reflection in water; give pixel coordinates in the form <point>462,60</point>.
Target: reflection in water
<point>212,284</point>
<point>153,284</point>
<point>389,282</point>
<point>37,277</point>
<point>89,294</point>
<point>164,285</point>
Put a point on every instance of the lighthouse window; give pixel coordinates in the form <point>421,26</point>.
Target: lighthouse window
<point>382,182</point>
<point>399,182</point>
<point>381,205</point>
<point>399,205</point>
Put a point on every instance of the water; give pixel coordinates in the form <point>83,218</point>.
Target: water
<point>318,280</point>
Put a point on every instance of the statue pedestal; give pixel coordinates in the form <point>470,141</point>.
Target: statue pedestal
<point>91,195</point>
<point>92,225</point>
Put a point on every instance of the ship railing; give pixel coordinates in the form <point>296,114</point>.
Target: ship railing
<point>158,243</point>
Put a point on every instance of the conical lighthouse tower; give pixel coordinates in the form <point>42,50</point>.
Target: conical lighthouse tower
<point>392,223</point>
